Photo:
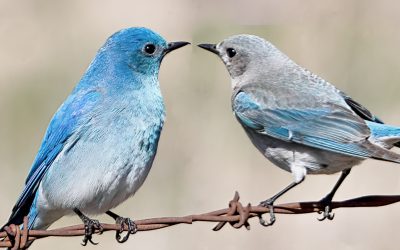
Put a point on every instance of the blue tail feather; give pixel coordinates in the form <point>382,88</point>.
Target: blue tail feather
<point>384,133</point>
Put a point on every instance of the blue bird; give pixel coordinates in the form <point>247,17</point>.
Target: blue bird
<point>101,143</point>
<point>297,120</point>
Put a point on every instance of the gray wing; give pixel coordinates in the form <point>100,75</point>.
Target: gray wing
<point>327,126</point>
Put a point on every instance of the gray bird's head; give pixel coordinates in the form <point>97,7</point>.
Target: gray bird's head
<point>244,54</point>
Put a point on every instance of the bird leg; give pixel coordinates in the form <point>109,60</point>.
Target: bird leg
<point>90,227</point>
<point>132,227</point>
<point>270,204</point>
<point>327,200</point>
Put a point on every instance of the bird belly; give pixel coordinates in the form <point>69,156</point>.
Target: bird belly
<point>315,161</point>
<point>289,155</point>
<point>97,174</point>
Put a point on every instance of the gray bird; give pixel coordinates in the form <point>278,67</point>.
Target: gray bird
<point>297,120</point>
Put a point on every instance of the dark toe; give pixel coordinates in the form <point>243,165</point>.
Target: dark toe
<point>132,228</point>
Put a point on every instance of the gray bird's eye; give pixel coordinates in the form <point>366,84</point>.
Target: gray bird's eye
<point>230,52</point>
<point>149,48</point>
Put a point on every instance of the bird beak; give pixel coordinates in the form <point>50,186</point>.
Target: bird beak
<point>174,45</point>
<point>210,47</point>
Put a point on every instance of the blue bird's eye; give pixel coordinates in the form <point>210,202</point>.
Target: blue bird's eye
<point>230,52</point>
<point>149,49</point>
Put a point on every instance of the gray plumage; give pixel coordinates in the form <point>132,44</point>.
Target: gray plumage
<point>297,120</point>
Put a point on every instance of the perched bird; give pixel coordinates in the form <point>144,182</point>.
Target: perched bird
<point>297,120</point>
<point>101,143</point>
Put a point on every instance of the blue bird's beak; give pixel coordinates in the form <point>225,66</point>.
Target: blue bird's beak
<point>210,47</point>
<point>174,45</point>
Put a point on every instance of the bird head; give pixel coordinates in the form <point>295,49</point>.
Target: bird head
<point>245,53</point>
<point>140,48</point>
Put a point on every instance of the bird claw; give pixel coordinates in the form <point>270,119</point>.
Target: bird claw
<point>326,214</point>
<point>90,228</point>
<point>132,228</point>
<point>267,203</point>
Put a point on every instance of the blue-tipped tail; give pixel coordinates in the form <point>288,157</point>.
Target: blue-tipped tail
<point>385,135</point>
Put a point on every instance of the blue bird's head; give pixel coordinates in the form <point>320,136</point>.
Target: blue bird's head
<point>141,49</point>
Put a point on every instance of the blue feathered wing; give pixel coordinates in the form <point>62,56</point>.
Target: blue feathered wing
<point>328,126</point>
<point>66,125</point>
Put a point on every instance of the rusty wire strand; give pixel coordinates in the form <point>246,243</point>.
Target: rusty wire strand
<point>237,215</point>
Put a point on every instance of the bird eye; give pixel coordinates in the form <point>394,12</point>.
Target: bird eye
<point>231,52</point>
<point>149,48</point>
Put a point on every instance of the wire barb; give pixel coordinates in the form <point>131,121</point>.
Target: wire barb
<point>236,215</point>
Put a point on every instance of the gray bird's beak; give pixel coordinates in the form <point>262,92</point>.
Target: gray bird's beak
<point>210,47</point>
<point>175,45</point>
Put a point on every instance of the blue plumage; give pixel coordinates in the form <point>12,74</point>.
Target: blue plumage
<point>379,130</point>
<point>383,134</point>
<point>326,128</point>
<point>100,144</point>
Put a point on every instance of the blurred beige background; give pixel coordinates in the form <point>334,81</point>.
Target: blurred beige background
<point>45,46</point>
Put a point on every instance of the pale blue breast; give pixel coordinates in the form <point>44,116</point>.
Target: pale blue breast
<point>111,158</point>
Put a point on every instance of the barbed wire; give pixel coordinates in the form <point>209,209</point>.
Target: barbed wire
<point>237,215</point>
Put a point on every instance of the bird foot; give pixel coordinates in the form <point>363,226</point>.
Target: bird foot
<point>327,212</point>
<point>132,228</point>
<point>270,204</point>
<point>90,228</point>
